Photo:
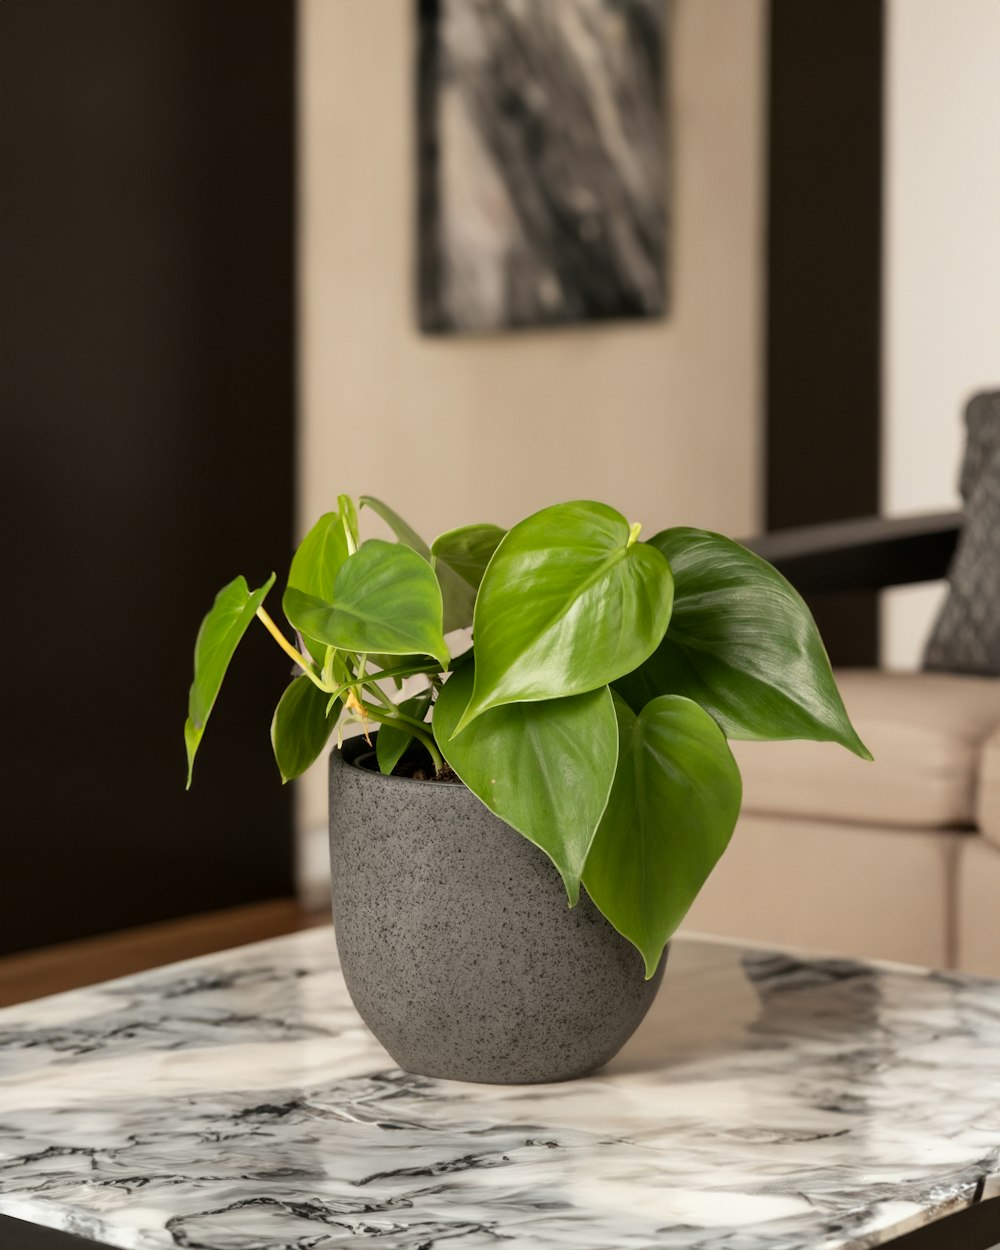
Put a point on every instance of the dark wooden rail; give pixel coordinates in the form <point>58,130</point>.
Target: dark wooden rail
<point>866,554</point>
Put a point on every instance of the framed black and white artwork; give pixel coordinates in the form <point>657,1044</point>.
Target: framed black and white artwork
<point>541,162</point>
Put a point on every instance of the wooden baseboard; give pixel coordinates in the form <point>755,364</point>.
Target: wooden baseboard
<point>51,969</point>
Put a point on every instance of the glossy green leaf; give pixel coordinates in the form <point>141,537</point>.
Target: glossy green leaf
<point>468,550</point>
<point>385,599</point>
<point>545,768</point>
<point>673,806</point>
<point>391,743</point>
<point>300,728</point>
<point>458,597</point>
<point>218,637</point>
<point>743,644</point>
<point>317,561</point>
<point>568,603</point>
<point>315,566</point>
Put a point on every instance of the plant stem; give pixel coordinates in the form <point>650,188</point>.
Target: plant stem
<point>407,725</point>
<point>410,721</point>
<point>407,670</point>
<point>393,709</point>
<point>377,691</point>
<point>289,650</point>
<point>387,714</point>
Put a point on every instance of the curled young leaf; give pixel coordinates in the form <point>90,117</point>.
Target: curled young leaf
<point>349,519</point>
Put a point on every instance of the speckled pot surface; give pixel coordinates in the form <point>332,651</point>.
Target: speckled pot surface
<point>456,942</point>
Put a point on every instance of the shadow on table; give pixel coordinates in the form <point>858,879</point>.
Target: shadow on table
<point>718,1000</point>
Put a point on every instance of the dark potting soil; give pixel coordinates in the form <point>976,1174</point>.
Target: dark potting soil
<point>425,772</point>
<point>416,765</point>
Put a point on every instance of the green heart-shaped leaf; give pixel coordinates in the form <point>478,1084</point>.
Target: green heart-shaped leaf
<point>219,635</point>
<point>317,561</point>
<point>300,728</point>
<point>385,599</point>
<point>316,564</point>
<point>468,550</point>
<point>544,768</point>
<point>568,603</point>
<point>743,645</point>
<point>671,813</point>
<point>457,595</point>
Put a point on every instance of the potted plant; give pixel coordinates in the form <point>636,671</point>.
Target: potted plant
<point>585,730</point>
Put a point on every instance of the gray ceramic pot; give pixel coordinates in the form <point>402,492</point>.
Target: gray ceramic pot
<point>456,942</point>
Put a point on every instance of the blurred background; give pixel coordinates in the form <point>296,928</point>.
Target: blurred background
<point>256,253</point>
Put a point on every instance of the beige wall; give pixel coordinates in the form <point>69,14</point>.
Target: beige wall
<point>942,264</point>
<point>661,419</point>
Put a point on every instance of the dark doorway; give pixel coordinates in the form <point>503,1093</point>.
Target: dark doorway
<point>824,284</point>
<point>146,317</point>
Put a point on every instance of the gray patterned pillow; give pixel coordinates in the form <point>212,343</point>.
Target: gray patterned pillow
<point>966,636</point>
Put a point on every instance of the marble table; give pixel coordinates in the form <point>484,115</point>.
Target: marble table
<point>769,1102</point>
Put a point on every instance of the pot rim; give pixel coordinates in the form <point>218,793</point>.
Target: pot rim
<point>347,756</point>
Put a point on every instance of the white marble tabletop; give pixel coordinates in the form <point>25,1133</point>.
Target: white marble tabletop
<point>236,1102</point>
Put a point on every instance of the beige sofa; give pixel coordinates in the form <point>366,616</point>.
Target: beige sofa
<point>899,859</point>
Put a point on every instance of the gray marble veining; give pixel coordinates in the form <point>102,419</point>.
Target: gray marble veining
<point>542,162</point>
<point>236,1102</point>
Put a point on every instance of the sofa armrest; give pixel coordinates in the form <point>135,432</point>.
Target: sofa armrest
<point>988,798</point>
<point>865,554</point>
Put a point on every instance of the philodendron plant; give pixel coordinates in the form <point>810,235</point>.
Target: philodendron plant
<point>592,710</point>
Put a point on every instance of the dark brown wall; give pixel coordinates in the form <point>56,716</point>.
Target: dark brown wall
<point>824,283</point>
<point>147,416</point>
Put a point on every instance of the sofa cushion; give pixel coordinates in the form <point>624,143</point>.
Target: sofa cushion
<point>977,916</point>
<point>966,635</point>
<point>850,889</point>
<point>988,806</point>
<point>926,731</point>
